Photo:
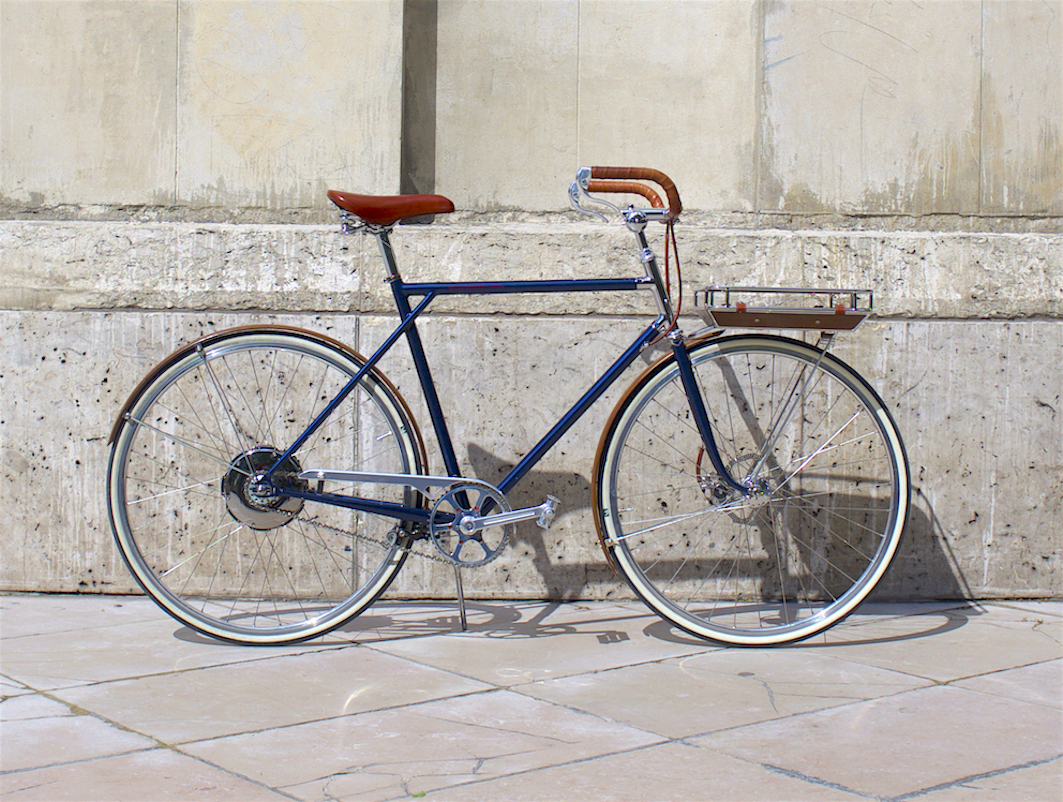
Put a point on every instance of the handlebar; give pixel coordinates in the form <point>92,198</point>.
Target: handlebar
<point>632,187</point>
<point>624,179</point>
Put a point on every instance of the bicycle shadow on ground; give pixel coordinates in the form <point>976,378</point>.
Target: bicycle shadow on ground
<point>404,620</point>
<point>925,568</point>
<point>390,620</point>
<point>870,624</point>
<point>501,619</point>
<point>382,621</point>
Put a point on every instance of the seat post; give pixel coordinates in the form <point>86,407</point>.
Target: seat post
<point>383,238</point>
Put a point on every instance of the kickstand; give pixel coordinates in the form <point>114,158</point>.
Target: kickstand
<point>461,598</point>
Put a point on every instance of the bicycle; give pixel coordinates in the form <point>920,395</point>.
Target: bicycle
<point>266,483</point>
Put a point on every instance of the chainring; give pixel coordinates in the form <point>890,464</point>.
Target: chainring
<point>453,528</point>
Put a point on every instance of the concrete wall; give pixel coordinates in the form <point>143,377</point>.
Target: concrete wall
<point>162,173</point>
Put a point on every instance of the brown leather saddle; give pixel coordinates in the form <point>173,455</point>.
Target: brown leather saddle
<point>386,210</point>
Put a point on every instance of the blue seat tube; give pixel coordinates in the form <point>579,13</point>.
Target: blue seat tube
<point>413,339</point>
<point>428,387</point>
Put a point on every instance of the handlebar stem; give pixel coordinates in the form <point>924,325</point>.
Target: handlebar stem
<point>649,262</point>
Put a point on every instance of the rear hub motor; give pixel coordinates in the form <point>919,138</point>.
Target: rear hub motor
<point>256,502</point>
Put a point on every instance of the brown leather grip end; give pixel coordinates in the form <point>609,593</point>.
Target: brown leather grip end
<point>631,187</point>
<point>675,206</point>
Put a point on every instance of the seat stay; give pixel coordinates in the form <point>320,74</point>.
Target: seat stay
<point>403,327</point>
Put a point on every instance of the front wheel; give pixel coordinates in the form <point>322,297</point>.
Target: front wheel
<point>826,491</point>
<point>192,522</point>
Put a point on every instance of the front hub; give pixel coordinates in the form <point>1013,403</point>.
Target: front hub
<point>256,502</point>
<point>757,492</point>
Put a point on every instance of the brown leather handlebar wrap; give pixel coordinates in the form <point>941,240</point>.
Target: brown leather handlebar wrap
<point>632,187</point>
<point>675,206</point>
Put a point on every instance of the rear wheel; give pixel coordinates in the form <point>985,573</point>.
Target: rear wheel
<point>826,491</point>
<point>198,531</point>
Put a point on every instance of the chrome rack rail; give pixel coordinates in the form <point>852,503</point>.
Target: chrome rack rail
<point>783,307</point>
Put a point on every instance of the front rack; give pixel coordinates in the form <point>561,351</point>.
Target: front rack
<point>783,307</point>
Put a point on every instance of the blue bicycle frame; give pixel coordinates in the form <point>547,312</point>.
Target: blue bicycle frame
<point>403,292</point>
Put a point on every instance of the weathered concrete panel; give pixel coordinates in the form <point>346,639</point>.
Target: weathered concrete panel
<point>87,94</point>
<point>281,101</point>
<point>1022,108</point>
<point>871,107</point>
<point>673,86</point>
<point>104,265</point>
<point>978,404</point>
<point>506,102</point>
<point>980,408</point>
<point>848,105</point>
<point>163,266</point>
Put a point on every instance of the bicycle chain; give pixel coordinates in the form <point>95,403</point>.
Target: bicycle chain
<point>438,558</point>
<point>387,545</point>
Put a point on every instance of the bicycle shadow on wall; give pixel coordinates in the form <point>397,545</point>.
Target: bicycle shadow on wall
<point>924,570</point>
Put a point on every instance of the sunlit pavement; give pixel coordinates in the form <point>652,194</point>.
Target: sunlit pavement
<point>106,698</point>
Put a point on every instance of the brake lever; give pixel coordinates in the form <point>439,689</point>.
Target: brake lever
<point>577,194</point>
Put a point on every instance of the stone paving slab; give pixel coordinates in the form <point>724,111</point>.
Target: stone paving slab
<point>285,690</point>
<point>671,771</point>
<point>425,747</point>
<point>721,690</point>
<point>106,698</point>
<point>155,774</point>
<point>903,744</point>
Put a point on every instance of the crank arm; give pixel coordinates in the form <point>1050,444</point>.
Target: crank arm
<point>544,515</point>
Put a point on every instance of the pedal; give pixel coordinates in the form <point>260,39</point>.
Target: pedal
<point>547,511</point>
